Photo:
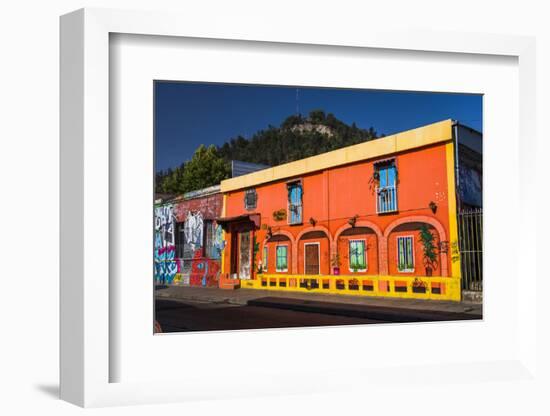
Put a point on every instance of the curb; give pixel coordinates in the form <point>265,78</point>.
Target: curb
<point>204,299</point>
<point>380,313</point>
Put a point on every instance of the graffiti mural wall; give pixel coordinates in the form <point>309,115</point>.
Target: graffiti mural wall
<point>188,242</point>
<point>165,248</point>
<point>193,227</point>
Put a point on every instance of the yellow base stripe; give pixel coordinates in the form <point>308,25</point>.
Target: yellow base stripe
<point>453,225</point>
<point>364,285</point>
<point>224,204</point>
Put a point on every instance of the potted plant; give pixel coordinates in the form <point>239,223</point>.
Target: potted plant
<point>340,284</point>
<point>429,249</point>
<point>353,284</point>
<point>419,286</point>
<point>335,262</point>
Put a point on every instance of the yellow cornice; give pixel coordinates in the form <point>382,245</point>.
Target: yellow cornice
<point>386,146</point>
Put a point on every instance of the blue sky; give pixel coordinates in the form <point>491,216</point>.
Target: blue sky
<point>190,114</point>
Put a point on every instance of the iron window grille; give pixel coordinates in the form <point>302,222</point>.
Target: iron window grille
<point>281,259</point>
<point>209,240</point>
<point>264,260</point>
<point>357,256</point>
<point>295,193</point>
<point>405,254</point>
<point>250,199</point>
<point>386,191</point>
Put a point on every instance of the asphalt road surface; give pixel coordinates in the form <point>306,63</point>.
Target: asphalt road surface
<point>184,316</point>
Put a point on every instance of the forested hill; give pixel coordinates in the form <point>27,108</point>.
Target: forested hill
<point>296,138</point>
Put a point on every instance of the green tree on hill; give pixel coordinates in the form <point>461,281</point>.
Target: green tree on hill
<point>206,168</point>
<point>296,138</point>
<point>170,181</point>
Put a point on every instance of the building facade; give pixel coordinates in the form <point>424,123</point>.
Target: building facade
<point>188,241</point>
<point>378,218</point>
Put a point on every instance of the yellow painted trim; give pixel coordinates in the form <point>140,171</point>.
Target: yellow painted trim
<point>410,139</point>
<point>224,203</point>
<point>452,286</point>
<point>451,200</point>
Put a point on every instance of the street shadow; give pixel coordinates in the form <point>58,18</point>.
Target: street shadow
<point>51,390</point>
<point>167,304</point>
<point>157,287</point>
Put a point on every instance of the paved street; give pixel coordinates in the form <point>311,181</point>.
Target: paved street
<point>188,315</point>
<point>244,296</point>
<point>180,308</point>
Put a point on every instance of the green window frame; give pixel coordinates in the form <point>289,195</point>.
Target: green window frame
<point>405,254</point>
<point>264,259</point>
<point>281,259</point>
<point>357,255</point>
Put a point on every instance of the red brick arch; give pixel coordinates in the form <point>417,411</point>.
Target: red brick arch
<point>382,256</point>
<point>416,218</point>
<point>321,228</point>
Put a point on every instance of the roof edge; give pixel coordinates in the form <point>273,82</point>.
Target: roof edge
<point>385,146</point>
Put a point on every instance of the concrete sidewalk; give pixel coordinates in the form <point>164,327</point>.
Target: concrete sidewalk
<point>253,296</point>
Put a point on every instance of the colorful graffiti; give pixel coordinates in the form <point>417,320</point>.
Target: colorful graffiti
<point>188,242</point>
<point>204,271</point>
<point>219,242</point>
<point>205,266</point>
<point>194,226</point>
<point>165,248</point>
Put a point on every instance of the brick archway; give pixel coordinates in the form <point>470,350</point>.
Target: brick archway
<point>382,248</point>
<point>423,219</point>
<point>315,228</point>
<point>294,265</point>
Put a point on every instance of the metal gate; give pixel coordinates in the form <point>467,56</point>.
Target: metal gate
<point>470,236</point>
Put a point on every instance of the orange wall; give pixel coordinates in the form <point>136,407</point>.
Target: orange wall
<point>331,197</point>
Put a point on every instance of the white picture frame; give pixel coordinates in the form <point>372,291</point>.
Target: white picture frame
<point>87,303</point>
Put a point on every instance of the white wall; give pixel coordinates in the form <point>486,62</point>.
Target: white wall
<point>29,174</point>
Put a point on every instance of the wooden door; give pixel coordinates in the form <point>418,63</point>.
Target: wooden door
<point>245,257</point>
<point>311,259</point>
<point>234,252</point>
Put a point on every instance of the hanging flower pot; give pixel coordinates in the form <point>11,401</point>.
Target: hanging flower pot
<point>335,262</point>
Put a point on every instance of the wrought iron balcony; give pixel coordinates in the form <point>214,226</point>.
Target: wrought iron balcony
<point>386,199</point>
<point>295,214</point>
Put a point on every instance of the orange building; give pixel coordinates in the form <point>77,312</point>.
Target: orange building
<point>378,218</point>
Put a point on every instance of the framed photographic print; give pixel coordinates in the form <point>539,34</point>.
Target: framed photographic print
<point>298,213</point>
